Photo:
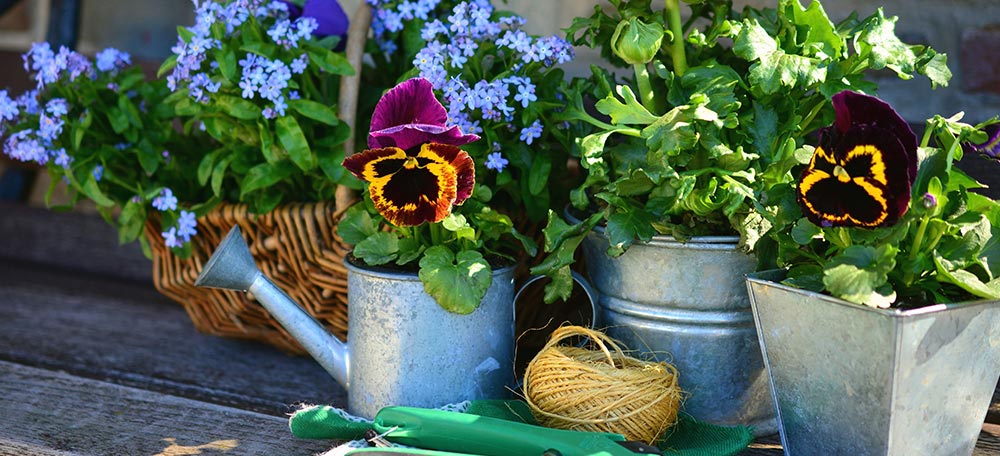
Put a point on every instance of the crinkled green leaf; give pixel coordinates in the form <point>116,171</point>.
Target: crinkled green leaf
<point>626,227</point>
<point>857,274</point>
<point>457,282</point>
<point>671,133</point>
<point>629,112</point>
<point>561,242</point>
<point>378,248</point>
<point>753,42</point>
<point>821,38</point>
<point>779,70</point>
<point>967,280</point>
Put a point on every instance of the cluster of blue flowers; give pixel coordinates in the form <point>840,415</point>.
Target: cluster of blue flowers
<point>39,144</point>
<point>186,223</point>
<point>450,45</point>
<point>269,79</point>
<point>260,76</point>
<point>389,17</point>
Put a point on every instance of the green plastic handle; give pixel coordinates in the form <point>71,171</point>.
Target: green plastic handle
<point>468,433</point>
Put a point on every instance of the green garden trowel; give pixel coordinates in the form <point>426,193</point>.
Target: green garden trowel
<point>441,433</point>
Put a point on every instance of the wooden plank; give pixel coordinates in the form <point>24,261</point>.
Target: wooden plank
<point>127,333</point>
<point>69,239</point>
<point>988,444</point>
<point>53,410</point>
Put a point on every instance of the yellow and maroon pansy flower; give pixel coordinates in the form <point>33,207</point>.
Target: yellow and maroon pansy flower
<point>863,169</point>
<point>415,170</point>
<point>410,188</point>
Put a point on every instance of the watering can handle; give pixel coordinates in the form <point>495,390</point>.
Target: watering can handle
<point>589,290</point>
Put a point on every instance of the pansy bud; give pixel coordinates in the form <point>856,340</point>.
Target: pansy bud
<point>930,201</point>
<point>637,42</point>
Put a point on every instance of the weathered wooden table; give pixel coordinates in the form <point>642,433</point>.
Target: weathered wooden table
<point>94,361</point>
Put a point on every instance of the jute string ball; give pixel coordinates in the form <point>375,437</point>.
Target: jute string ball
<point>599,388</point>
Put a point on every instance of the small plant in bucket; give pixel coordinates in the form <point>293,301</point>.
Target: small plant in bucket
<point>422,208</point>
<point>877,218</point>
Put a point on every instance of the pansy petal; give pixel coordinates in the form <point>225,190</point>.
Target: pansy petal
<point>410,102</point>
<point>411,135</point>
<point>856,109</point>
<point>990,148</point>
<point>460,161</point>
<point>330,16</point>
<point>375,163</point>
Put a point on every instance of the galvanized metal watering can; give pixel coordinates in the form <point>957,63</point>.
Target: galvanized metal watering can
<point>402,347</point>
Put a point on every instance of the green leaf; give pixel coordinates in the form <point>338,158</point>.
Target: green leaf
<point>205,167</point>
<point>166,66</point>
<point>238,107</point>
<point>457,282</point>
<point>315,111</point>
<point>131,222</point>
<point>226,59</point>
<point>265,175</point>
<point>857,273</point>
<point>329,61</point>
<point>967,280</point>
<point>753,42</point>
<point>804,231</point>
<point>356,225</point>
<point>561,241</point>
<point>538,176</point>
<point>779,70</point>
<point>936,69</point>
<point>627,226</point>
<point>219,174</point>
<point>118,120</point>
<point>294,141</point>
<point>883,49</point>
<point>93,191</point>
<point>149,158</point>
<point>627,113</point>
<point>821,37</point>
<point>671,133</point>
<point>378,248</point>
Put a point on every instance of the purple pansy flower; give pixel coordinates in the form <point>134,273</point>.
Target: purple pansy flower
<point>863,168</point>
<point>409,115</point>
<point>328,14</point>
<point>990,148</point>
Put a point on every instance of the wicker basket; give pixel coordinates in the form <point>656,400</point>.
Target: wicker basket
<point>295,245</point>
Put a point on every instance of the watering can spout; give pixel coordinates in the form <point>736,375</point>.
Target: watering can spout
<point>232,267</point>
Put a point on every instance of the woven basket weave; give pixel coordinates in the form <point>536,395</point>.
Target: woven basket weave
<point>295,245</point>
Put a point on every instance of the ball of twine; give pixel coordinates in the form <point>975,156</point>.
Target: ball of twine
<point>600,388</point>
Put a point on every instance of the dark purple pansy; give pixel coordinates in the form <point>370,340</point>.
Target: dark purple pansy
<point>863,168</point>
<point>415,171</point>
<point>328,14</point>
<point>409,115</point>
<point>990,148</point>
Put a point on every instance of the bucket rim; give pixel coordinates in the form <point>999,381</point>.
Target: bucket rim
<point>405,276</point>
<point>770,278</point>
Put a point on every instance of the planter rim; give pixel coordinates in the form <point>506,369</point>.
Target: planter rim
<point>403,276</point>
<point>771,277</point>
<point>695,242</point>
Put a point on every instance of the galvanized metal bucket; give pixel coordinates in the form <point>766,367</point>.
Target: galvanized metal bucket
<point>407,350</point>
<point>851,379</point>
<point>686,303</point>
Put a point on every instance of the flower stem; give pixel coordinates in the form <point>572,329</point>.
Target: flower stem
<point>646,95</point>
<point>812,115</point>
<point>677,41</point>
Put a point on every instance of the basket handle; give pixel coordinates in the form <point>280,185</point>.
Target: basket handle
<point>347,107</point>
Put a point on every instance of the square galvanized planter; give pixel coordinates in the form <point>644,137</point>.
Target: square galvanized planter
<point>850,379</point>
